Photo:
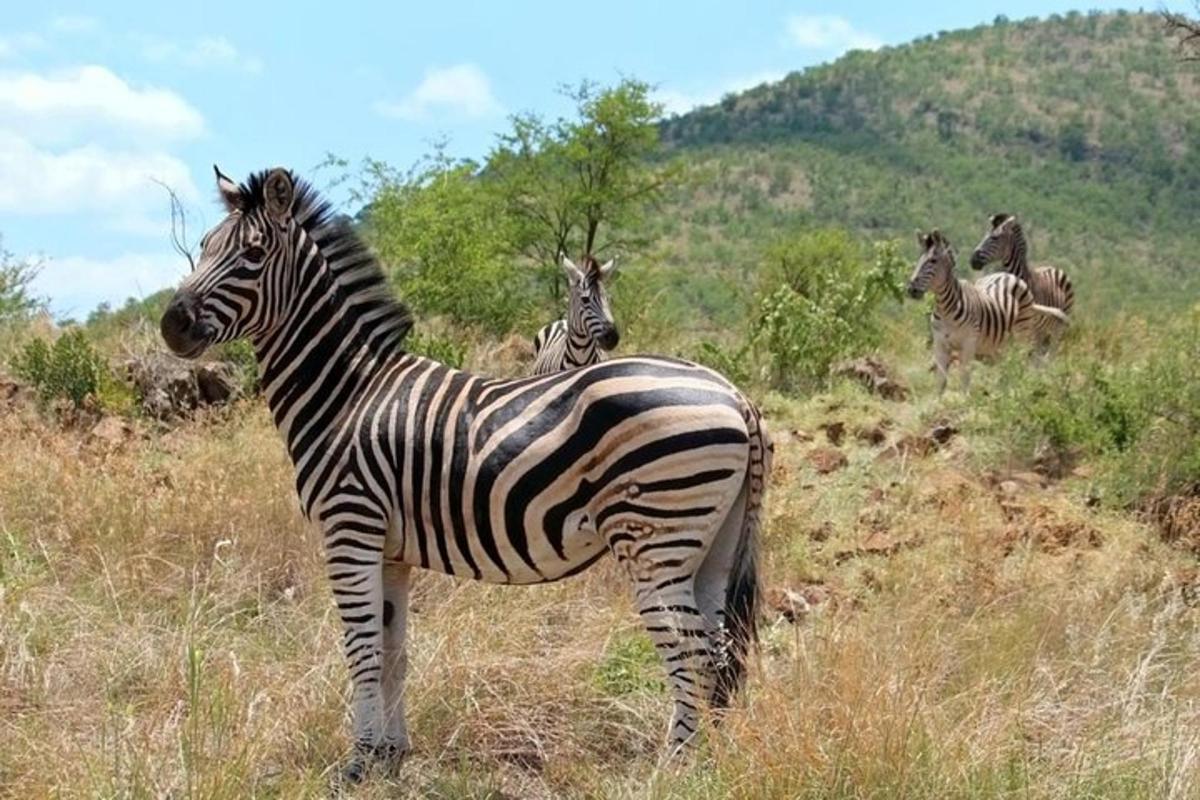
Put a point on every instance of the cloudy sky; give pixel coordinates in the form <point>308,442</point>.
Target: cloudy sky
<point>97,106</point>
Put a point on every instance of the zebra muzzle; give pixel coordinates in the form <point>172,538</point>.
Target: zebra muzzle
<point>183,331</point>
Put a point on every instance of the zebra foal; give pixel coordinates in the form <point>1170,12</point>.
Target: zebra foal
<point>974,320</point>
<point>405,462</point>
<point>588,331</point>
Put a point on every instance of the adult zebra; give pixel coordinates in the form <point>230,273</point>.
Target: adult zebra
<point>588,330</point>
<point>406,462</point>
<point>975,320</point>
<point>1005,242</point>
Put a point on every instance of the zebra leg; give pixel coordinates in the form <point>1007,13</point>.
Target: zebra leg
<point>394,743</point>
<point>663,570</point>
<point>354,534</point>
<point>967,354</point>
<point>941,360</point>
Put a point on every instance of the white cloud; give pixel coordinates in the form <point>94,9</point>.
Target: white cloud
<point>462,89</point>
<point>77,284</point>
<point>116,183</point>
<point>207,52</point>
<point>679,102</point>
<point>81,103</point>
<point>828,32</point>
<point>74,23</point>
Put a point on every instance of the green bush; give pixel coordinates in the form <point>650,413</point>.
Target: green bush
<point>71,369</point>
<point>439,347</point>
<point>819,300</point>
<point>1130,407</point>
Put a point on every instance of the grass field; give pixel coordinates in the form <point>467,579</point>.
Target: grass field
<point>969,629</point>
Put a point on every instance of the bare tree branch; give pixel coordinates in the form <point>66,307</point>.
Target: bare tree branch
<point>179,234</point>
<point>1186,30</point>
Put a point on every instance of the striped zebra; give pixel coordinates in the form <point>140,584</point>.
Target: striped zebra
<point>588,330</point>
<point>974,320</point>
<point>1005,242</point>
<point>405,462</point>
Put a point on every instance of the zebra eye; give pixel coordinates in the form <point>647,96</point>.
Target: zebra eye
<point>254,254</point>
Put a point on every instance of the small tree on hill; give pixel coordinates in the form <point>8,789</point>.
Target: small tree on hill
<point>1187,31</point>
<point>17,300</point>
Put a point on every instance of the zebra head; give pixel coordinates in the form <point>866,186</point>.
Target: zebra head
<point>937,257</point>
<point>997,243</point>
<point>589,308</point>
<point>245,265</point>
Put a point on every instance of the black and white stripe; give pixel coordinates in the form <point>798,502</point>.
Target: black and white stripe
<point>974,320</point>
<point>1005,242</point>
<point>407,462</point>
<point>588,331</point>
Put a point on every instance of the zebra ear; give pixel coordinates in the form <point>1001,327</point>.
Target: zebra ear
<point>231,193</point>
<point>278,190</point>
<point>1000,219</point>
<point>922,240</point>
<point>608,269</point>
<point>573,273</point>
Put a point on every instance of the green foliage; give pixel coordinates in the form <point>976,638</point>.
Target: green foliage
<point>1132,410</point>
<point>579,185</point>
<point>240,354</point>
<point>136,315</point>
<point>819,301</point>
<point>630,666</point>
<point>438,346</point>
<point>17,303</point>
<point>444,237</point>
<point>71,369</point>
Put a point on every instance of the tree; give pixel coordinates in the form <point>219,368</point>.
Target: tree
<point>446,242</point>
<point>580,185</point>
<point>16,276</point>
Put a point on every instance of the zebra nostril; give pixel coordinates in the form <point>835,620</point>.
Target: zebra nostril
<point>610,339</point>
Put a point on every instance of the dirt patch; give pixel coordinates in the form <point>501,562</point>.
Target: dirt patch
<point>875,376</point>
<point>873,435</point>
<point>877,543</point>
<point>1177,518</point>
<point>1046,531</point>
<point>826,459</point>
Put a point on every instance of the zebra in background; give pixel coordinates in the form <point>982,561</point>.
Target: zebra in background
<point>974,320</point>
<point>1005,242</point>
<point>406,462</point>
<point>588,330</point>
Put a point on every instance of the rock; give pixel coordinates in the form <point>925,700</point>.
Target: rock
<point>942,432</point>
<point>874,375</point>
<point>170,387</point>
<point>827,459</point>
<point>871,434</point>
<point>113,431</point>
<point>834,432</point>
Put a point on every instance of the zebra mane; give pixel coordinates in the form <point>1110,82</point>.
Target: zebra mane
<point>360,281</point>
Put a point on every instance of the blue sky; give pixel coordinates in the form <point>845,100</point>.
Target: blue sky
<point>95,104</point>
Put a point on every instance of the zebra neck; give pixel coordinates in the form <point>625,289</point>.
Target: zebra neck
<point>313,365</point>
<point>949,294</point>
<point>581,348</point>
<point>1017,262</point>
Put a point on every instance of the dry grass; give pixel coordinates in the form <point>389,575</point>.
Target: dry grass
<point>165,631</point>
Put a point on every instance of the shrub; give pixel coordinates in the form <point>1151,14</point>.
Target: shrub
<point>819,301</point>
<point>1130,408</point>
<point>71,369</point>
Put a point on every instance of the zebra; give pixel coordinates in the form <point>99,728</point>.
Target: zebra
<point>405,462</point>
<point>973,319</point>
<point>588,330</point>
<point>1005,242</point>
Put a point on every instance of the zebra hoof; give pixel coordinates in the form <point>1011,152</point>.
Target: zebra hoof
<point>355,772</point>
<point>390,754</point>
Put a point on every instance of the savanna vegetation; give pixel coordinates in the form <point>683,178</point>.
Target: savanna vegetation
<point>981,596</point>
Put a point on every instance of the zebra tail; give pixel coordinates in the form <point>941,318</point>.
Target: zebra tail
<point>743,591</point>
<point>1051,311</point>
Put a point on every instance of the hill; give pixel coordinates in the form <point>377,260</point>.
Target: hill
<point>1085,125</point>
